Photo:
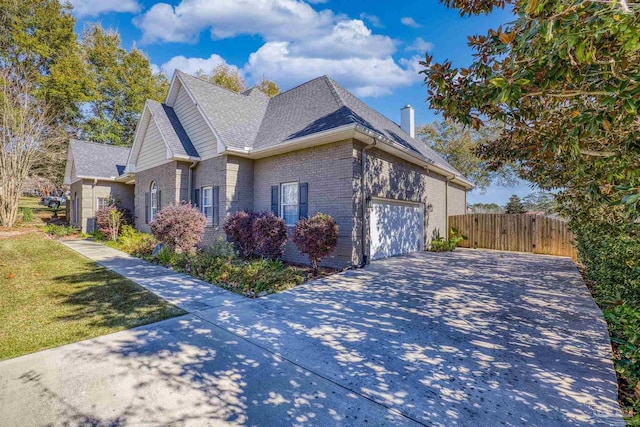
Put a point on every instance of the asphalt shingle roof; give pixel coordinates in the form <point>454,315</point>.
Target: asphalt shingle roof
<point>98,160</point>
<point>172,130</point>
<point>253,120</point>
<point>235,116</point>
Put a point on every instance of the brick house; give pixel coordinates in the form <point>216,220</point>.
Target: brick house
<point>94,174</point>
<point>314,148</point>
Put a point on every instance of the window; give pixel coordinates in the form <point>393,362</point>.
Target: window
<point>289,203</point>
<point>102,202</point>
<point>153,208</point>
<point>207,204</point>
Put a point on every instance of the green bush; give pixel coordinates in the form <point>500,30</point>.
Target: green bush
<point>222,249</point>
<point>135,242</point>
<point>608,244</point>
<point>440,244</point>
<point>96,235</point>
<point>27,214</point>
<point>59,230</point>
<point>250,278</point>
<point>624,327</point>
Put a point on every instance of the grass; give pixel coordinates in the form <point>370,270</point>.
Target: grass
<point>50,296</point>
<point>42,215</point>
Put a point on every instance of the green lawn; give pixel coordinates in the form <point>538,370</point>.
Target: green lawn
<point>42,214</point>
<point>50,296</point>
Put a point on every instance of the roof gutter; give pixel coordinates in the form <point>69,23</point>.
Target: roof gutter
<point>347,131</point>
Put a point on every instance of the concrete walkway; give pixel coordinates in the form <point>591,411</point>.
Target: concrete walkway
<point>184,291</point>
<point>452,339</point>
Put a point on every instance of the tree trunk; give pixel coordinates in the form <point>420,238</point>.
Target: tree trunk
<point>9,198</point>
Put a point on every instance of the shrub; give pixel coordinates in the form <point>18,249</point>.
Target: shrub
<point>239,229</point>
<point>269,235</point>
<point>221,249</point>
<point>179,226</point>
<point>316,237</point>
<point>250,278</point>
<point>109,220</point>
<point>440,244</point>
<point>59,230</point>
<point>135,242</point>
<point>167,256</point>
<point>27,214</point>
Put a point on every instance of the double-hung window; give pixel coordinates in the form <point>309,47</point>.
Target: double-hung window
<point>207,204</point>
<point>102,202</point>
<point>290,202</point>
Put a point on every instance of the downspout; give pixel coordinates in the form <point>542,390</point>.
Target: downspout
<point>363,186</point>
<point>446,203</point>
<point>93,202</point>
<point>190,186</point>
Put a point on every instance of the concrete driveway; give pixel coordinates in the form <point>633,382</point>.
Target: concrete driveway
<point>464,338</point>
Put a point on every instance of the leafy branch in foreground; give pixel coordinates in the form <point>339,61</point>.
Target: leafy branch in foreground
<point>564,77</point>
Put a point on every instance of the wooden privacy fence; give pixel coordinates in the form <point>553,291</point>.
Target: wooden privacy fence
<point>515,232</point>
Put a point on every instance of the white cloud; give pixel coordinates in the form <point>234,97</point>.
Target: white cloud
<point>300,42</point>
<point>346,39</point>
<point>372,20</point>
<point>192,65</point>
<point>420,45</point>
<point>272,19</point>
<point>84,8</point>
<point>410,22</point>
<point>364,76</point>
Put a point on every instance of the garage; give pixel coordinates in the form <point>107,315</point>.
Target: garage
<point>396,227</point>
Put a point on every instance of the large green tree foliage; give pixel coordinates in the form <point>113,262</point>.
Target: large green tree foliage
<point>123,81</point>
<point>37,39</point>
<point>564,77</point>
<point>458,144</point>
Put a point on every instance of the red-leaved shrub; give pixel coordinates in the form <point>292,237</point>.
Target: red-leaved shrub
<point>269,235</point>
<point>179,226</point>
<point>316,237</point>
<point>109,220</point>
<point>239,229</point>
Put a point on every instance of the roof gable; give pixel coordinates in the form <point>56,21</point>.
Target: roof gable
<point>94,160</point>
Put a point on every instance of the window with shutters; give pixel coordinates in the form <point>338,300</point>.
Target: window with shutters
<point>289,202</point>
<point>153,208</point>
<point>207,204</point>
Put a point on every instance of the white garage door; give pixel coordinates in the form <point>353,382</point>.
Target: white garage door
<point>397,228</point>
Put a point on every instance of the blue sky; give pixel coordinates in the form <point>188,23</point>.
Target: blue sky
<point>370,47</point>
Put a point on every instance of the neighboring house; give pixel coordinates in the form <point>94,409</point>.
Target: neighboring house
<point>94,174</point>
<point>314,148</point>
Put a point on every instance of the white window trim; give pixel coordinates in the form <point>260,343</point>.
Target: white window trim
<point>202,205</point>
<point>282,204</point>
<point>153,197</point>
<point>98,207</point>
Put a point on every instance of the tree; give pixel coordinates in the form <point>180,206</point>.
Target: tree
<point>540,201</point>
<point>38,35</point>
<point>458,144</point>
<point>123,81</point>
<point>229,78</point>
<point>269,87</point>
<point>514,206</point>
<point>563,77</point>
<point>486,208</point>
<point>28,128</point>
<point>225,76</point>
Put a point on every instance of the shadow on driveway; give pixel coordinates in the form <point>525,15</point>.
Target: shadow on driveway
<point>463,338</point>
